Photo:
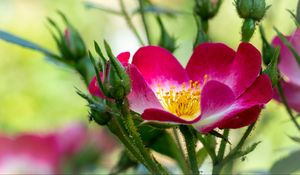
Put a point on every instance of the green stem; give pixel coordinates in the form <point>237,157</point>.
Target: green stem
<point>115,127</point>
<point>146,27</point>
<point>129,22</point>
<point>220,164</point>
<point>153,165</point>
<point>190,146</point>
<point>245,136</point>
<point>222,147</point>
<point>287,107</point>
<point>185,169</point>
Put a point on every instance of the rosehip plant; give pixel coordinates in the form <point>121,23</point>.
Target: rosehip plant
<point>151,102</point>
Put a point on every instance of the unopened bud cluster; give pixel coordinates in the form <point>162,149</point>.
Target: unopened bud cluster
<point>207,9</point>
<point>251,11</point>
<point>254,9</point>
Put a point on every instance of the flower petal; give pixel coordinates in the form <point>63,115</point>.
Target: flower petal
<point>160,115</point>
<point>292,94</point>
<point>94,89</point>
<point>141,96</point>
<point>242,119</point>
<point>288,64</point>
<point>212,59</point>
<point>124,57</point>
<point>219,62</point>
<point>216,98</point>
<point>245,68</point>
<point>158,65</point>
<point>258,94</point>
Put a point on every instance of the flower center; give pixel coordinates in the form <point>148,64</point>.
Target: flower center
<point>184,101</point>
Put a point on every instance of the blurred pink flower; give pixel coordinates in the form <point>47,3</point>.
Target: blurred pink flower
<point>218,88</point>
<point>72,138</point>
<point>290,69</point>
<point>29,154</point>
<point>48,153</point>
<point>77,136</point>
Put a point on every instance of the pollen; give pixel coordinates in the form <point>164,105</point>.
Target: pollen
<point>182,101</point>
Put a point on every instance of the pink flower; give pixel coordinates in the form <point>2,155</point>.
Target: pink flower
<point>76,137</point>
<point>290,69</point>
<point>29,154</point>
<point>218,88</point>
<point>72,139</point>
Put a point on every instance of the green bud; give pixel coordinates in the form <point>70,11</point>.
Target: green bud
<point>117,81</point>
<point>102,118</point>
<point>85,67</point>
<point>254,9</point>
<point>166,41</point>
<point>101,113</point>
<point>207,9</point>
<point>267,49</point>
<point>201,36</point>
<point>248,29</point>
<point>74,43</point>
<point>259,9</point>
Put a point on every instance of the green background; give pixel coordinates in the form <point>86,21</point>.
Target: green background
<point>38,96</point>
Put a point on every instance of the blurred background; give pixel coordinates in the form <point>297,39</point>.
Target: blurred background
<point>38,96</point>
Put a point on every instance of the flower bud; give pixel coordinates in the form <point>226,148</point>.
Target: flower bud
<point>117,81</point>
<point>74,43</point>
<point>207,9</point>
<point>100,117</point>
<point>254,9</point>
<point>166,41</point>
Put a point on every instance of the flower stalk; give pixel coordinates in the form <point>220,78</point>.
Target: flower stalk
<point>190,146</point>
<point>130,23</point>
<point>145,22</point>
<point>150,161</point>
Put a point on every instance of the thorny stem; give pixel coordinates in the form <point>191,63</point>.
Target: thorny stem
<point>185,169</point>
<point>190,146</point>
<point>223,145</point>
<point>287,107</point>
<point>129,22</point>
<point>153,165</point>
<point>220,163</point>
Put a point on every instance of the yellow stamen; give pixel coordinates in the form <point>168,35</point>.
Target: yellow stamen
<point>183,102</point>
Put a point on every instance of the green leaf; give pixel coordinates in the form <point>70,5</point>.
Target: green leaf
<point>240,153</point>
<point>158,125</point>
<point>215,133</point>
<point>102,8</point>
<point>161,10</point>
<point>166,41</point>
<point>289,45</point>
<point>298,12</point>
<point>161,141</point>
<point>296,139</point>
<point>294,18</point>
<point>125,161</point>
<point>201,156</point>
<point>267,48</point>
<point>287,165</point>
<point>25,43</point>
